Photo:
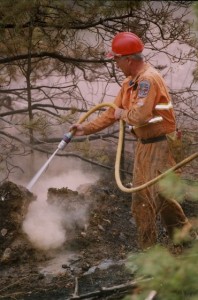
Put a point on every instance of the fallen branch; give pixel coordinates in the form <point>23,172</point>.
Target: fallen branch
<point>12,284</point>
<point>108,290</point>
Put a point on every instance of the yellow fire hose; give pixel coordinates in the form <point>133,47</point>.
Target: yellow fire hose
<point>69,135</point>
<point>119,151</point>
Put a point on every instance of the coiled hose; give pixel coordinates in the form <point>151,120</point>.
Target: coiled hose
<point>119,152</point>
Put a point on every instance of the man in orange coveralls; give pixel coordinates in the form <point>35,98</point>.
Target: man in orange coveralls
<point>144,103</point>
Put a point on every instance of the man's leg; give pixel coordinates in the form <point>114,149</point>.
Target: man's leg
<point>144,214</point>
<point>173,217</point>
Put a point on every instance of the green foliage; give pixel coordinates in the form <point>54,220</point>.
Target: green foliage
<point>83,147</point>
<point>172,186</point>
<point>98,153</point>
<point>192,190</point>
<point>71,117</point>
<point>174,278</point>
<point>39,124</point>
<point>195,8</point>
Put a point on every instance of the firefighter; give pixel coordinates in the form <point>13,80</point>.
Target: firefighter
<point>144,103</point>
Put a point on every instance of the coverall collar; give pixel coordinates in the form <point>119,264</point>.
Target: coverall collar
<point>132,80</point>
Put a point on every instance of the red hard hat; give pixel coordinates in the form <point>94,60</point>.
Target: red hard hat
<point>125,43</point>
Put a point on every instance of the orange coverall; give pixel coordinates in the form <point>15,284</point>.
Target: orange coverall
<point>144,98</point>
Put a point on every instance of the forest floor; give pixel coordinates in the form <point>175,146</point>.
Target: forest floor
<point>92,262</point>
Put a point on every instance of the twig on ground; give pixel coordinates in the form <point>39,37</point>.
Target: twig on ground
<point>75,294</point>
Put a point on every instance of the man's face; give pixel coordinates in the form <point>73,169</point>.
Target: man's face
<point>122,62</point>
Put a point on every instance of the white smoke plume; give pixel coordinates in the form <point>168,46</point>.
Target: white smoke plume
<point>46,224</point>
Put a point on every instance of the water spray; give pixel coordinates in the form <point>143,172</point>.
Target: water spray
<point>68,136</point>
<point>66,139</point>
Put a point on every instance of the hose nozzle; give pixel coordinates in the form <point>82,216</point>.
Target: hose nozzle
<point>66,139</point>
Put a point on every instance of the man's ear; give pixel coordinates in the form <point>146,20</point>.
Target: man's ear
<point>129,60</point>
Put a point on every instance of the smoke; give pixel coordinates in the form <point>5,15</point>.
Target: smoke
<point>71,179</point>
<point>47,224</point>
<point>44,226</point>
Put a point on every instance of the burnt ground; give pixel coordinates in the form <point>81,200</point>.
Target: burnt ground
<point>91,264</point>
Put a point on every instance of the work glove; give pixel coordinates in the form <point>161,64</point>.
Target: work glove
<point>118,113</point>
<point>78,129</point>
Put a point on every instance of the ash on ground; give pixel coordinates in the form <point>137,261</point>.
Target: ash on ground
<point>98,234</point>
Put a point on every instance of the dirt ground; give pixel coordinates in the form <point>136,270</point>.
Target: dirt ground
<point>91,263</point>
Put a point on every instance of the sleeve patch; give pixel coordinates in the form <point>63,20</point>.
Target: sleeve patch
<point>140,103</point>
<point>143,88</point>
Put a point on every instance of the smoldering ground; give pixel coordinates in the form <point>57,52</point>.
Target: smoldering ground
<point>46,224</point>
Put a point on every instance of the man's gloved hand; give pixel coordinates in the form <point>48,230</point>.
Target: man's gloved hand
<point>118,112</point>
<point>78,129</point>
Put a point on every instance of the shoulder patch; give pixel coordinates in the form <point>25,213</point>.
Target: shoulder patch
<point>143,88</point>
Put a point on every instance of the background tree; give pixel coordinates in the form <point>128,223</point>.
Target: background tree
<point>53,68</point>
